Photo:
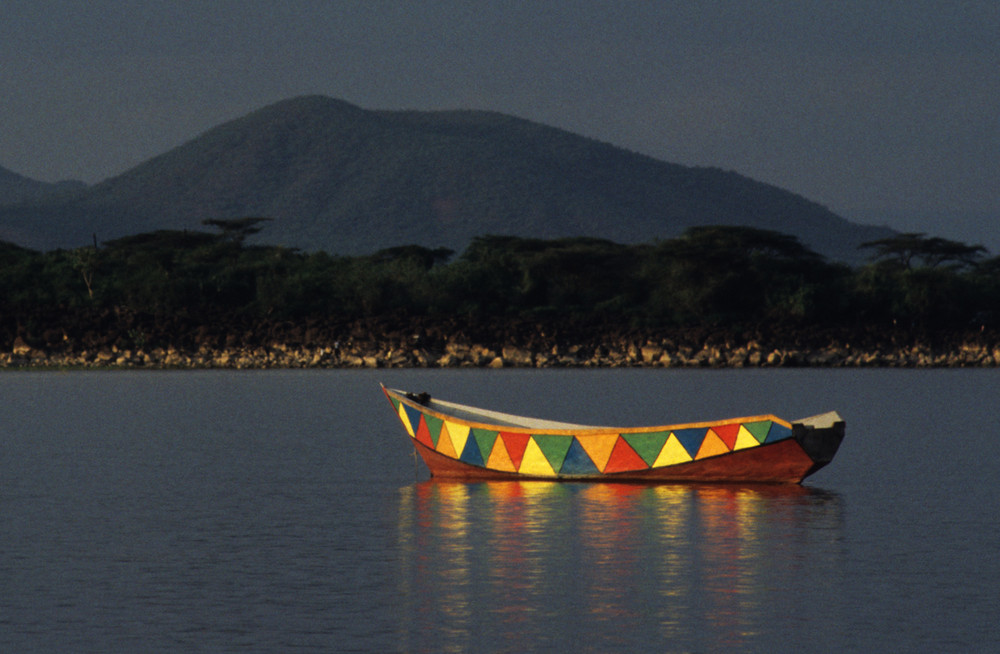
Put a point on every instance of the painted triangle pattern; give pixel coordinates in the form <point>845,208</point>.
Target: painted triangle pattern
<point>572,455</point>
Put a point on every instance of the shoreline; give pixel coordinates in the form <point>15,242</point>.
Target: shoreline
<point>463,355</point>
<point>128,341</point>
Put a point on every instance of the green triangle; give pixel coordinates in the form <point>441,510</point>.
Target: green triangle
<point>647,444</point>
<point>758,429</point>
<point>395,403</point>
<point>484,439</point>
<point>434,427</point>
<point>554,447</point>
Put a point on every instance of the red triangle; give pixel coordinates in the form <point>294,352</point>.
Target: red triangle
<point>624,458</point>
<point>728,434</point>
<point>516,444</point>
<point>423,434</point>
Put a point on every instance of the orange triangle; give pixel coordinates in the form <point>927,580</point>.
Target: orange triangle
<point>515,446</point>
<point>728,434</point>
<point>624,458</point>
<point>499,458</point>
<point>445,446</point>
<point>423,434</point>
<point>598,447</point>
<point>711,446</point>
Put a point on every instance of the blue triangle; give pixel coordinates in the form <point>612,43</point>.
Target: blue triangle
<point>414,417</point>
<point>691,439</point>
<point>777,433</point>
<point>471,452</point>
<point>577,461</point>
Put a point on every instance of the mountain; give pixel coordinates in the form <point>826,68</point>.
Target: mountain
<point>15,188</point>
<point>347,180</point>
<point>23,218</point>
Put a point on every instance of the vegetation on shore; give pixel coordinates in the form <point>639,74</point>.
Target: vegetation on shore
<point>174,289</point>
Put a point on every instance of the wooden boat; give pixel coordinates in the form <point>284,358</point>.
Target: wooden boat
<point>463,442</point>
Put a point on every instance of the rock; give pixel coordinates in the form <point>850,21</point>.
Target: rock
<point>481,356</point>
<point>651,353</point>
<point>423,358</point>
<point>398,359</point>
<point>737,359</point>
<point>517,356</point>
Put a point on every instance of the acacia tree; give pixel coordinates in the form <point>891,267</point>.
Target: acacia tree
<point>85,261</point>
<point>921,281</point>
<point>236,230</point>
<point>906,249</point>
<point>724,273</point>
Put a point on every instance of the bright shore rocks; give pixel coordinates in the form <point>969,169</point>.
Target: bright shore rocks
<point>476,355</point>
<point>418,342</point>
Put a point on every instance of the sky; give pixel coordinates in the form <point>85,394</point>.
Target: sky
<point>887,112</point>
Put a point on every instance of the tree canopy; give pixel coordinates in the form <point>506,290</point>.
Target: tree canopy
<point>906,249</point>
<point>709,276</point>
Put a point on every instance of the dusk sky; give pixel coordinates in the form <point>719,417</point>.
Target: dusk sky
<point>887,112</point>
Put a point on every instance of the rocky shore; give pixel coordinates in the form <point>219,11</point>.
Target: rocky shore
<point>418,344</point>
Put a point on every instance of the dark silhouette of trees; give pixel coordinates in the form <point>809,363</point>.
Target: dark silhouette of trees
<point>717,277</point>
<point>905,249</point>
<point>722,274</point>
<point>236,230</point>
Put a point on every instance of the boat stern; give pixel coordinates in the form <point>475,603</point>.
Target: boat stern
<point>819,437</point>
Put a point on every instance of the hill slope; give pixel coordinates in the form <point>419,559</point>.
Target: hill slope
<point>15,188</point>
<point>347,180</point>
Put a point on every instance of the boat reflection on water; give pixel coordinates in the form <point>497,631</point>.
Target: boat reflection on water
<point>592,566</point>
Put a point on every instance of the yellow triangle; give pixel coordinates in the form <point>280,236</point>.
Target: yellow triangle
<point>534,462</point>
<point>745,439</point>
<point>672,452</point>
<point>711,446</point>
<point>445,445</point>
<point>598,447</point>
<point>459,434</point>
<point>406,420</point>
<point>499,458</point>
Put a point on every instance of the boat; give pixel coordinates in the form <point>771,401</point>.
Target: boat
<point>462,442</point>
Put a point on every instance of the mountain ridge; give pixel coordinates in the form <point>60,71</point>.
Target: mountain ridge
<point>16,188</point>
<point>349,180</point>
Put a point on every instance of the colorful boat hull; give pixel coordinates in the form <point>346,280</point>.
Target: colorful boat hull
<point>465,443</point>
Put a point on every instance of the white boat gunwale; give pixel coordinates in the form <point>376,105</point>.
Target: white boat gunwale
<point>479,418</point>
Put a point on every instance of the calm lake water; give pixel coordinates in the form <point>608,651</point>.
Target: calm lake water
<point>284,511</point>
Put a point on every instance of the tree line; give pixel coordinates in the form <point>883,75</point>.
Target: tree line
<point>707,277</point>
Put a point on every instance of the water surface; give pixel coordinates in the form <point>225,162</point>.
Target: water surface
<point>284,511</point>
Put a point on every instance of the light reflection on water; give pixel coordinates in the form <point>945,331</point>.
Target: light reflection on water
<point>509,566</point>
